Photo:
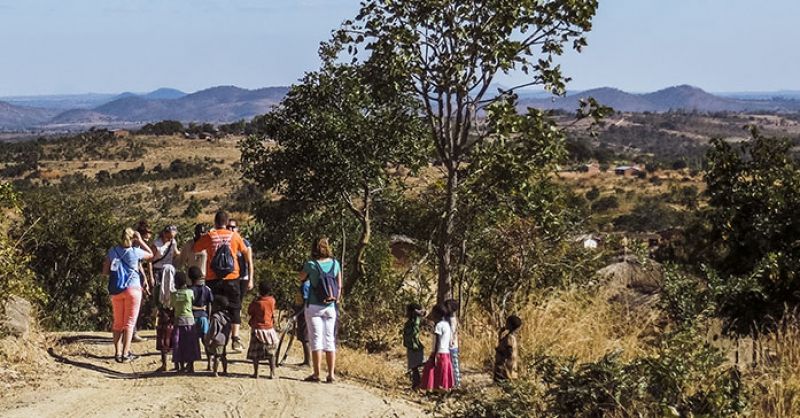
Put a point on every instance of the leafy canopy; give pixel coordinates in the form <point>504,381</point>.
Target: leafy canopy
<point>334,135</point>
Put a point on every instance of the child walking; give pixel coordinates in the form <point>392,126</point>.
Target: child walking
<point>438,371</point>
<point>185,344</point>
<point>452,317</point>
<point>263,338</point>
<point>201,305</point>
<point>219,333</point>
<point>507,351</point>
<point>415,351</point>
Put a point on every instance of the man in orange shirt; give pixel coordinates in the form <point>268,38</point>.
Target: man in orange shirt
<point>228,285</point>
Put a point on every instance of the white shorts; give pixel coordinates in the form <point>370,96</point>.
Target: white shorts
<point>321,322</point>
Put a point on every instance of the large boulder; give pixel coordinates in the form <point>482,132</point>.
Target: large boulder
<point>16,317</point>
<point>631,274</point>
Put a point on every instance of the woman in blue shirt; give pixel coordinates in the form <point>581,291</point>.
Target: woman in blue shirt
<point>321,314</point>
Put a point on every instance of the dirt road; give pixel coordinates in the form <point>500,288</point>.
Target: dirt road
<point>88,383</point>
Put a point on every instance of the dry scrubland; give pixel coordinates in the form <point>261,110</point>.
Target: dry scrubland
<point>582,323</point>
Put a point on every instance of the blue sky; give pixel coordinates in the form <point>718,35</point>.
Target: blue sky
<point>76,46</point>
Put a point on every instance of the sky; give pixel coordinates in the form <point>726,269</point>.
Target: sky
<point>111,46</point>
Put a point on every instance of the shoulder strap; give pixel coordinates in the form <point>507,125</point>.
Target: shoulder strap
<point>333,266</point>
<point>165,254</point>
<point>121,258</point>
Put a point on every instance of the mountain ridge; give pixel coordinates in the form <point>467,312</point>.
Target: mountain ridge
<point>222,104</point>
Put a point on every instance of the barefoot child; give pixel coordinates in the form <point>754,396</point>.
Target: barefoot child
<point>263,338</point>
<point>507,351</point>
<point>438,371</point>
<point>201,305</point>
<point>452,315</point>
<point>415,351</point>
<point>219,333</point>
<point>185,344</point>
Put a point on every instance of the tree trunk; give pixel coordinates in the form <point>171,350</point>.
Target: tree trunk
<point>359,263</point>
<point>444,288</point>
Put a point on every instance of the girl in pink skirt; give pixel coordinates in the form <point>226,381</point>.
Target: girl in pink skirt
<point>438,371</point>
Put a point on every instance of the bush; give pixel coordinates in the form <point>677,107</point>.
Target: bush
<point>593,193</point>
<point>16,278</point>
<point>683,377</point>
<point>193,209</point>
<point>648,216</point>
<point>604,204</point>
<point>67,237</point>
<point>516,399</point>
<point>165,127</point>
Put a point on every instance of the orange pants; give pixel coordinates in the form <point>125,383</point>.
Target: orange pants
<point>126,308</point>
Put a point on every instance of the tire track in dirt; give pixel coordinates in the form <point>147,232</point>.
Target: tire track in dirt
<point>90,384</point>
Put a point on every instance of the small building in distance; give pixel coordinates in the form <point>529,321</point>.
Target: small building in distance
<point>628,170</point>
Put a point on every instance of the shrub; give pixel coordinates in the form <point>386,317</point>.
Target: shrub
<point>593,193</point>
<point>683,377</point>
<point>605,204</point>
<point>67,237</point>
<point>516,399</point>
<point>193,209</point>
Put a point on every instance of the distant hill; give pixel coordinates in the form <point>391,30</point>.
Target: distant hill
<point>217,104</point>
<point>82,117</point>
<point>229,103</point>
<point>673,98</point>
<point>14,117</point>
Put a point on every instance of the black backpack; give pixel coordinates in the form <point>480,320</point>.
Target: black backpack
<point>223,263</point>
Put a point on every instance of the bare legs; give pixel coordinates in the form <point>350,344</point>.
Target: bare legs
<point>271,368</point>
<point>330,360</point>
<point>118,344</point>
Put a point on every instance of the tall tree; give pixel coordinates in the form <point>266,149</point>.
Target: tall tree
<point>337,141</point>
<point>451,53</point>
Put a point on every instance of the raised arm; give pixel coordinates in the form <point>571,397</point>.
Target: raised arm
<point>106,266</point>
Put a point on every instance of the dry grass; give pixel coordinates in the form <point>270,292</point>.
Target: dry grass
<point>573,323</point>
<point>775,385</point>
<point>386,370</point>
<point>24,362</point>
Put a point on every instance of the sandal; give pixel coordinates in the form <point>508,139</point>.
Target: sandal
<point>330,379</point>
<point>311,378</point>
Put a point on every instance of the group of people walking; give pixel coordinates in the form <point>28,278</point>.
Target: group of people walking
<point>198,291</point>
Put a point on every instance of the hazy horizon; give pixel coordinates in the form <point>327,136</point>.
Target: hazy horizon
<point>115,46</point>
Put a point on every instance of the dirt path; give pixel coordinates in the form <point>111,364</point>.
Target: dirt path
<point>88,383</point>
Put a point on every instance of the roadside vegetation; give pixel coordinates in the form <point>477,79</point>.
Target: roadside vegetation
<point>695,237</point>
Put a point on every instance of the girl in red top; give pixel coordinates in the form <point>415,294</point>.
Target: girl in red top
<point>263,338</point>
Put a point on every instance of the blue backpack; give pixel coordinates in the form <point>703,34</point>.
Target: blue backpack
<point>327,290</point>
<point>120,275</point>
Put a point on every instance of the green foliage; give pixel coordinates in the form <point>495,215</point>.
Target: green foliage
<point>17,279</point>
<point>593,193</point>
<point>374,304</point>
<point>683,297</point>
<point>67,237</point>
<point>338,140</point>
<point>520,398</point>
<point>448,55</point>
<point>335,136</point>
<point>748,234</point>
<point>193,209</point>
<point>165,128</point>
<point>605,204</point>
<point>683,377</point>
<point>650,215</point>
